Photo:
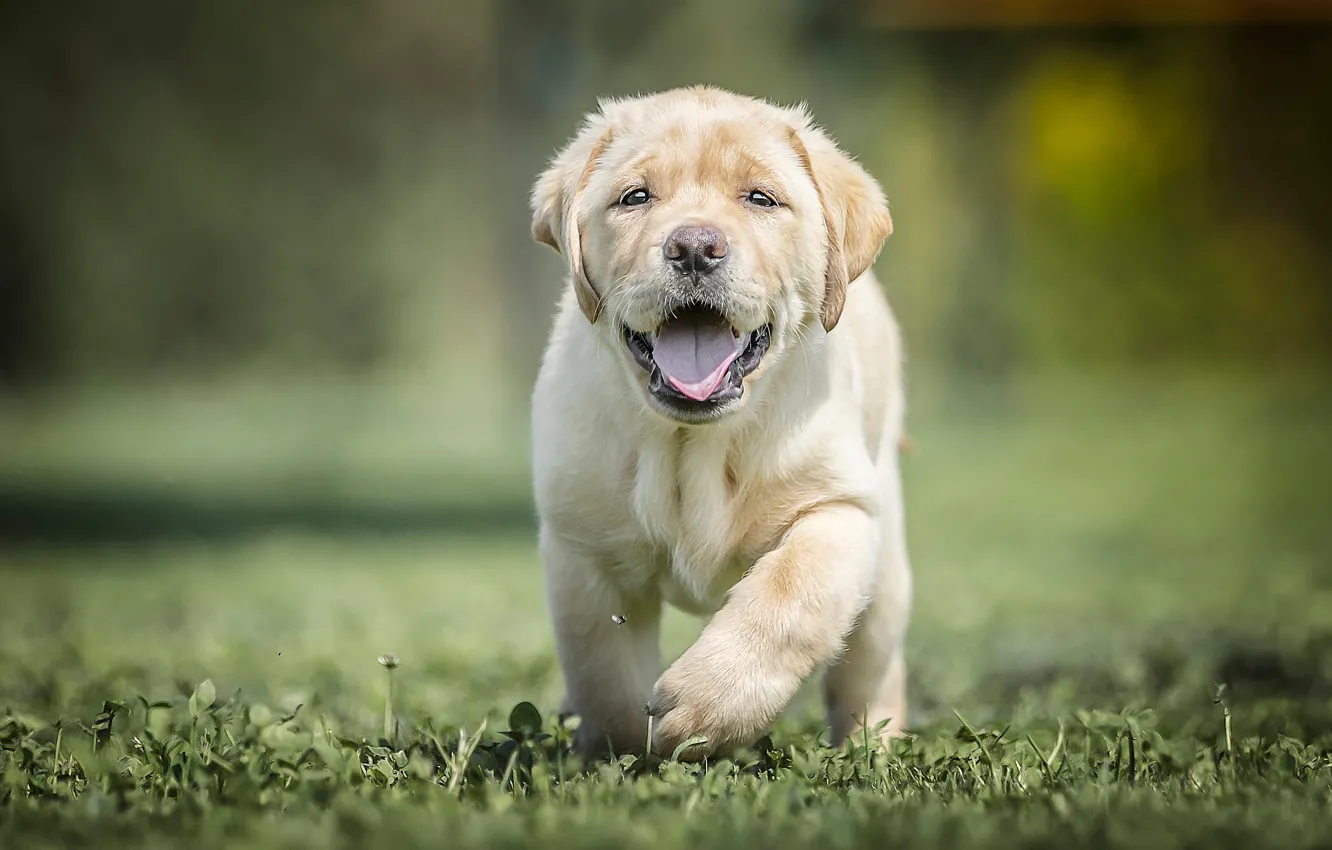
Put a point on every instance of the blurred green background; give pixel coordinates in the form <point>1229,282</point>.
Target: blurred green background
<point>270,313</point>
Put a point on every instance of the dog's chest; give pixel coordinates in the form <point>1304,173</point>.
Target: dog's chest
<point>685,500</point>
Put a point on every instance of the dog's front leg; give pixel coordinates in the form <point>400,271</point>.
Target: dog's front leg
<point>607,642</point>
<point>787,617</point>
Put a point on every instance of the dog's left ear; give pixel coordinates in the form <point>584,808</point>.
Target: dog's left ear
<point>854,210</point>
<point>555,200</point>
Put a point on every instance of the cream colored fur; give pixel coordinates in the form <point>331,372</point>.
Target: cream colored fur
<point>782,520</point>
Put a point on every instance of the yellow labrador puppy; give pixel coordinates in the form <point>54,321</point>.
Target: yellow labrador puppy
<point>716,425</point>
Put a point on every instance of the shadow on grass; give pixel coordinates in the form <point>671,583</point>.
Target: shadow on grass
<point>80,516</point>
<point>1271,689</point>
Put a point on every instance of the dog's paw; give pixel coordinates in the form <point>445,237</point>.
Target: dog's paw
<point>716,697</point>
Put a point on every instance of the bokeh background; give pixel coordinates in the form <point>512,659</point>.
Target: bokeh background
<point>270,314</point>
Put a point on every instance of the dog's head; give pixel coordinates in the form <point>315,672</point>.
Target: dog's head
<point>708,233</point>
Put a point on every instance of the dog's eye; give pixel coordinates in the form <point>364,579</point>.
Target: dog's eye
<point>759,199</point>
<point>635,197</point>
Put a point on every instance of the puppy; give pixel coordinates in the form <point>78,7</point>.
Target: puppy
<point>716,425</point>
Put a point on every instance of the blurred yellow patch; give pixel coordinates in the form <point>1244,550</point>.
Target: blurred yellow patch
<point>1096,136</point>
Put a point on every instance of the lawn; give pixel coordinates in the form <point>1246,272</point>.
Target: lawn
<point>1122,636</point>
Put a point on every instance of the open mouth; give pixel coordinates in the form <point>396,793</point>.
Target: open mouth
<point>697,359</point>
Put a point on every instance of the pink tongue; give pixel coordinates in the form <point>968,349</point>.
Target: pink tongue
<point>693,355</point>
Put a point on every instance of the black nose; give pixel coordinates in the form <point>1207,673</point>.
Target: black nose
<point>695,250</point>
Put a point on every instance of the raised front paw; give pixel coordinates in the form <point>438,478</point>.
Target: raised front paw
<point>725,698</point>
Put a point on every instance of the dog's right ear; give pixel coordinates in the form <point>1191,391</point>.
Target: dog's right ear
<point>555,203</point>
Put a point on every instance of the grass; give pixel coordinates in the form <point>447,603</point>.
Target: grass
<point>1122,638</point>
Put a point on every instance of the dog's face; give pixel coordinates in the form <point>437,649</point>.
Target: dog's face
<point>708,234</point>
